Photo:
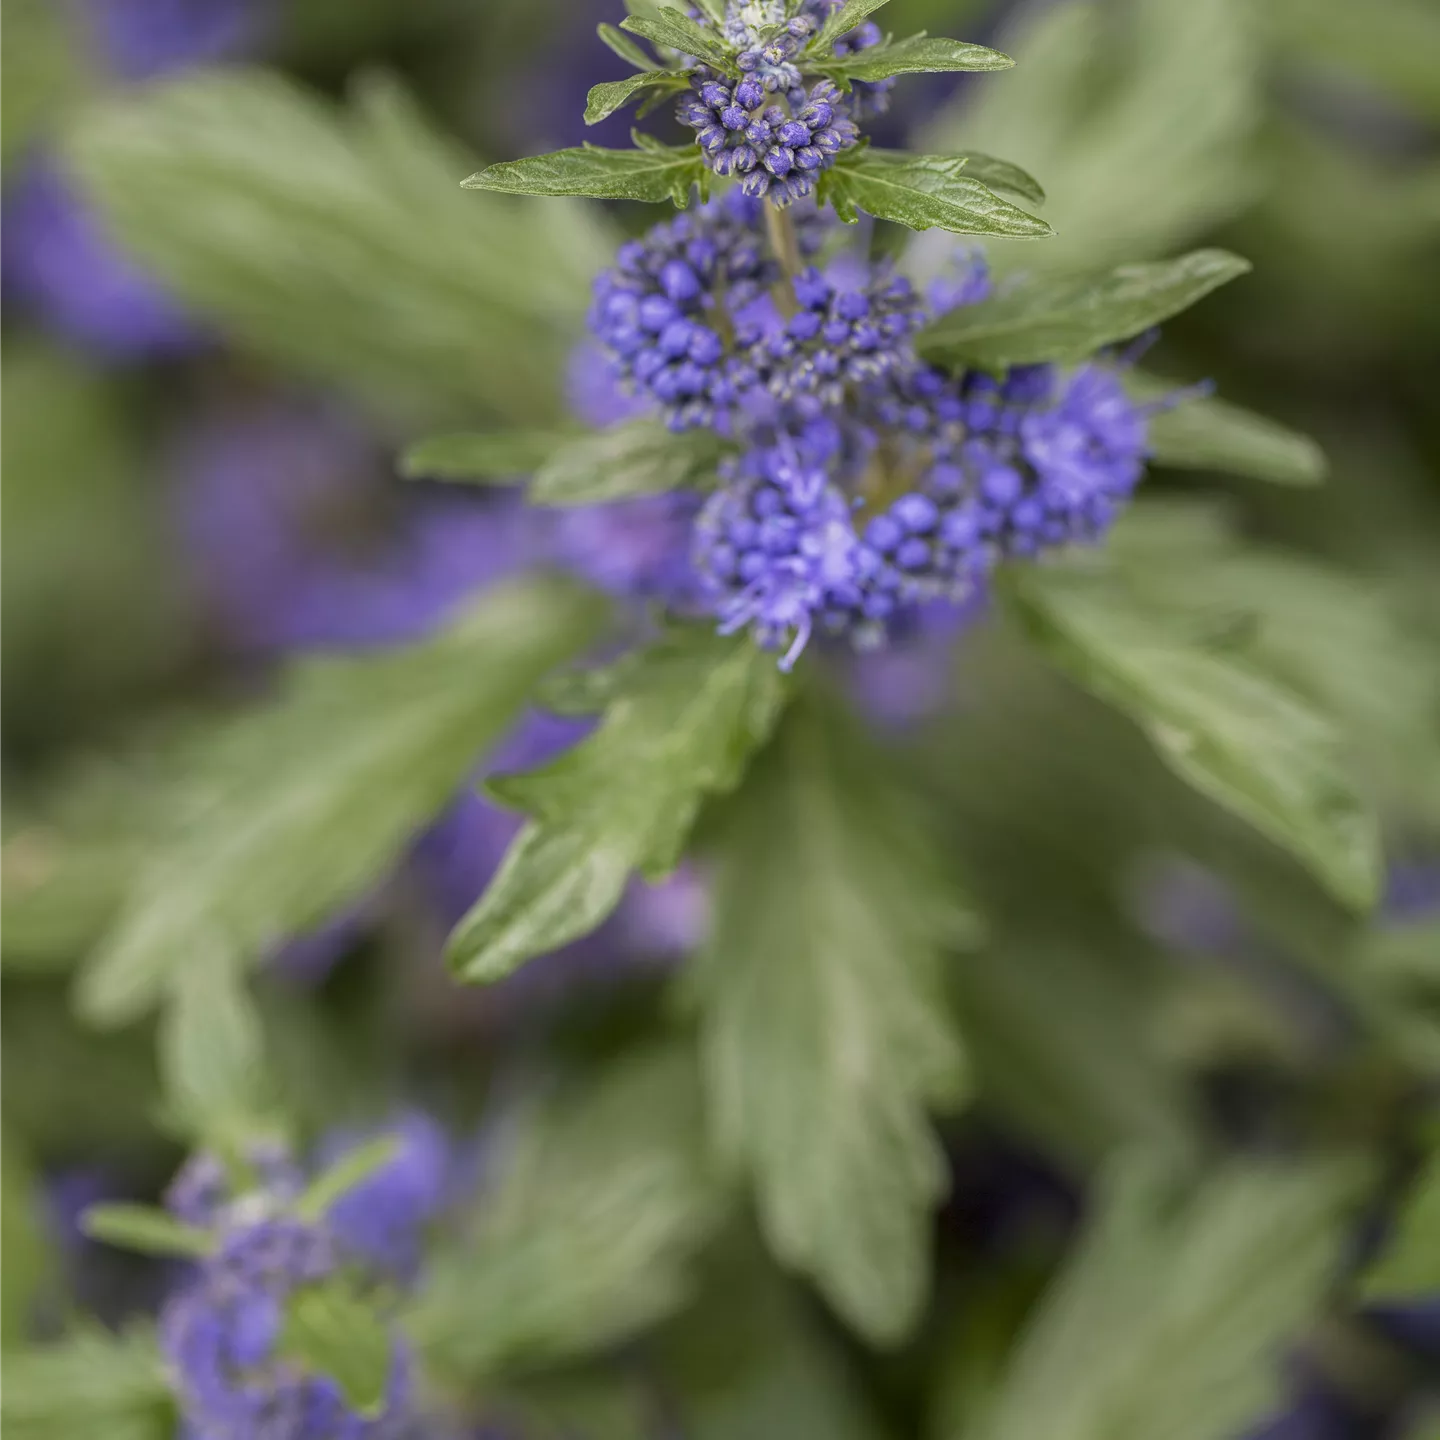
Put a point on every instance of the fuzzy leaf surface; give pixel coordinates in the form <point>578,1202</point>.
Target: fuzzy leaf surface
<point>823,1027</point>
<point>1068,320</point>
<point>652,174</point>
<point>680,724</point>
<point>590,1235</point>
<point>677,31</point>
<point>612,95</point>
<point>640,457</point>
<point>1219,718</point>
<point>843,21</point>
<point>297,807</point>
<point>625,47</point>
<point>915,55</point>
<point>1171,1321</point>
<point>923,192</point>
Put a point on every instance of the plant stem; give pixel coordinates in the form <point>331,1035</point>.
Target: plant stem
<point>785,245</point>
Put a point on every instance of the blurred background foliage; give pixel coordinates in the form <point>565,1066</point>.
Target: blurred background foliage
<point>235,288</point>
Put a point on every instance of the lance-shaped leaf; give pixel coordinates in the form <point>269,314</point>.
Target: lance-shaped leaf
<point>843,21</point>
<point>1068,320</point>
<point>681,723</point>
<point>296,808</point>
<point>638,458</point>
<point>923,192</point>
<point>677,31</point>
<point>496,455</point>
<point>605,99</point>
<point>590,1234</point>
<point>332,1330</point>
<point>824,1030</point>
<point>625,47</point>
<point>651,172</point>
<point>1202,433</point>
<point>145,1230</point>
<point>1409,1266</point>
<point>1171,1322</point>
<point>915,55</point>
<point>1223,723</point>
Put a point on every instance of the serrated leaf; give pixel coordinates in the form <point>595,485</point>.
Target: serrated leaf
<point>923,192</point>
<point>843,21</point>
<point>334,242</point>
<point>677,31</point>
<point>625,47</point>
<point>823,1027</point>
<point>998,175</point>
<point>297,807</point>
<point>1409,1266</point>
<point>25,1240</point>
<point>91,1383</point>
<point>498,455</point>
<point>915,55</point>
<point>145,1230</point>
<point>590,1234</point>
<point>342,1177</point>
<point>681,724</point>
<point>640,457</point>
<point>1171,1323</point>
<point>1207,434</point>
<point>212,1050</point>
<point>333,1331</point>
<point>1068,320</point>
<point>612,95</point>
<point>651,174</point>
<point>1223,724</point>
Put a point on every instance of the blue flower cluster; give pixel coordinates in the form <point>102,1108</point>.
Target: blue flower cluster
<point>221,1332</point>
<point>867,483</point>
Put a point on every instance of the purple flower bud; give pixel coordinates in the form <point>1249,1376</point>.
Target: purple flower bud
<point>749,93</point>
<point>712,139</point>
<point>809,157</point>
<point>734,117</point>
<point>917,513</point>
<point>780,161</point>
<point>793,133</point>
<point>817,115</point>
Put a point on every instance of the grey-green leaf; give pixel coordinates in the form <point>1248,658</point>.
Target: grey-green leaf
<point>589,1235</point>
<point>612,95</point>
<point>344,1175</point>
<point>677,31</point>
<point>1246,740</point>
<point>1067,320</point>
<point>923,192</point>
<point>332,1330</point>
<point>625,47</point>
<point>1202,433</point>
<point>90,1383</point>
<point>842,22</point>
<point>640,457</point>
<point>1409,1266</point>
<point>824,1030</point>
<point>1171,1322</point>
<point>297,807</point>
<point>652,174</point>
<point>145,1230</point>
<point>916,55</point>
<point>497,455</point>
<point>681,723</point>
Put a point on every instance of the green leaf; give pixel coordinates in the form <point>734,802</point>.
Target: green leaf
<point>649,173</point>
<point>625,47</point>
<point>495,455</point>
<point>1208,434</point>
<point>823,1028</point>
<point>332,1330</point>
<point>641,457</point>
<point>1409,1266</point>
<point>589,1235</point>
<point>997,174</point>
<point>25,1240</point>
<point>344,1175</point>
<point>1068,320</point>
<point>682,724</point>
<point>212,1051</point>
<point>916,55</point>
<point>677,31</point>
<point>1222,723</point>
<point>923,191</point>
<point>91,1383</point>
<point>146,1230</point>
<point>296,808</point>
<point>1171,1323</point>
<point>842,22</point>
<point>605,99</point>
<point>335,243</point>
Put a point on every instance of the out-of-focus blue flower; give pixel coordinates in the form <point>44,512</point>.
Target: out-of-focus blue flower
<point>61,266</point>
<point>139,39</point>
